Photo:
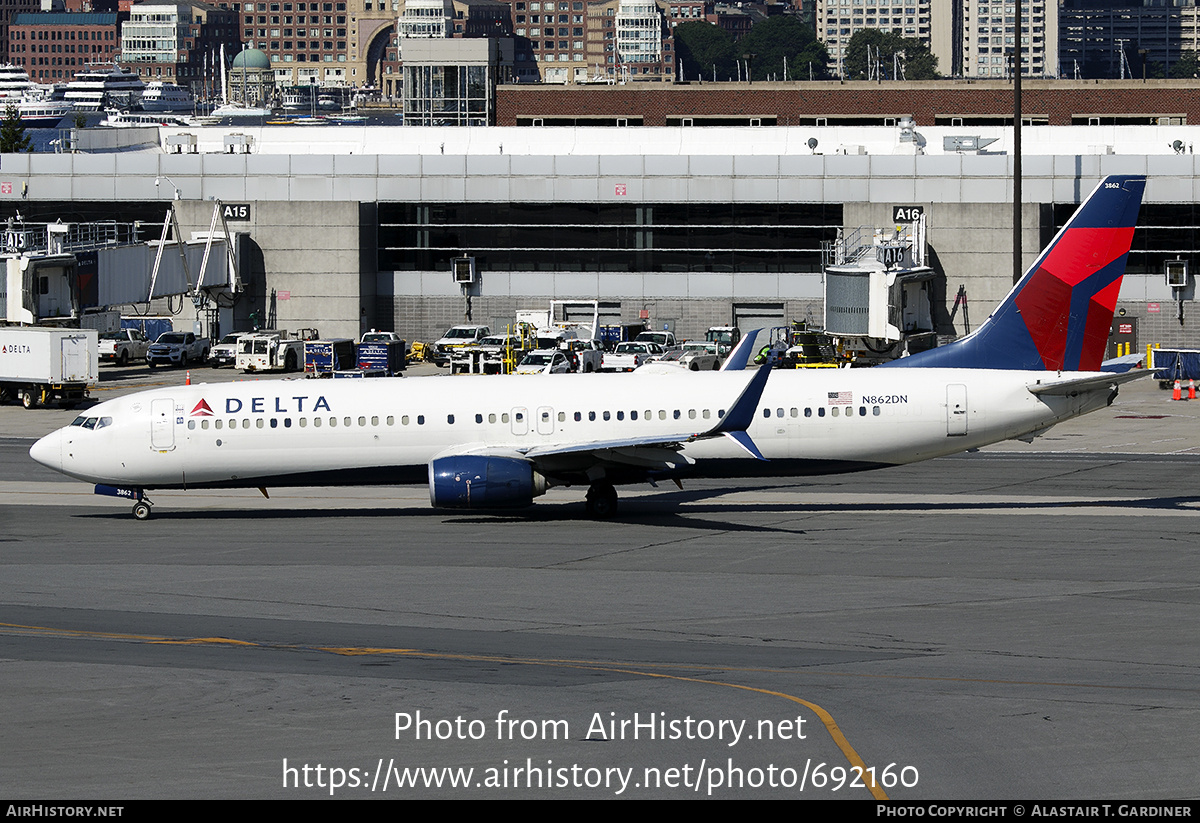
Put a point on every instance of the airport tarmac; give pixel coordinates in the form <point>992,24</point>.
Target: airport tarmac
<point>1013,624</point>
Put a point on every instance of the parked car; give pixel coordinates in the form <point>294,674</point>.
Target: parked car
<point>545,361</point>
<point>692,357</point>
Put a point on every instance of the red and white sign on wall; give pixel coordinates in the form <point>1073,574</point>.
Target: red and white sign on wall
<point>1124,328</point>
<point>283,295</point>
<point>619,190</point>
<point>1152,308</point>
<point>5,188</point>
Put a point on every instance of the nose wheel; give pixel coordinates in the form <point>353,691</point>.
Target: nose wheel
<point>141,510</point>
<point>601,501</point>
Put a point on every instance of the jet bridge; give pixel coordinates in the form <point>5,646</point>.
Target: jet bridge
<point>877,291</point>
<point>64,272</point>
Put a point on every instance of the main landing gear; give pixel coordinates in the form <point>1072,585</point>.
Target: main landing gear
<point>601,501</point>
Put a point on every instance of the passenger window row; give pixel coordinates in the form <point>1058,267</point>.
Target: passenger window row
<point>405,420</point>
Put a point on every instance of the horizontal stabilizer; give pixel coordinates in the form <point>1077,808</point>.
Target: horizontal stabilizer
<point>1066,388</point>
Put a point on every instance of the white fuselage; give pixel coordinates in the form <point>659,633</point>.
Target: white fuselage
<point>307,432</point>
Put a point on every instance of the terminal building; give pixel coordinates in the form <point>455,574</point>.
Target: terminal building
<point>350,228</point>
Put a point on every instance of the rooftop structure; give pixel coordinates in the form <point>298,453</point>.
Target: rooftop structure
<point>348,228</point>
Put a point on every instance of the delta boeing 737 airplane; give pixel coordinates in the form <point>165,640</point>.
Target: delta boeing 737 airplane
<point>488,442</point>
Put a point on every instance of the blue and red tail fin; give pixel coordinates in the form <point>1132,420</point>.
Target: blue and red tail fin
<point>1058,316</point>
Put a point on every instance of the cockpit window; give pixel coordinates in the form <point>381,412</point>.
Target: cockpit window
<point>92,422</point>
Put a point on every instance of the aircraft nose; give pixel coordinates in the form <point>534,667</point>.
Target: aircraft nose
<point>48,451</point>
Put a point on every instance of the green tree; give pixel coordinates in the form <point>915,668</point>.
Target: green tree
<point>781,39</point>
<point>12,134</point>
<point>917,61</point>
<point>1188,65</point>
<point>704,49</point>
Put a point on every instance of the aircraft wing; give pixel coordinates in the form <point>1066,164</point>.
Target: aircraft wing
<point>654,453</point>
<point>1090,383</point>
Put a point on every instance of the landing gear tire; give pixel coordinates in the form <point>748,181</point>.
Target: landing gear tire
<point>141,510</point>
<point>602,501</point>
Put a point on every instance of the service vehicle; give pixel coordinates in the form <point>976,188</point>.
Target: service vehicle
<point>586,356</point>
<point>456,337</point>
<point>725,338</point>
<point>124,345</point>
<point>494,354</point>
<point>40,365</point>
<point>324,357</point>
<point>177,348</point>
<point>385,356</point>
<point>269,351</point>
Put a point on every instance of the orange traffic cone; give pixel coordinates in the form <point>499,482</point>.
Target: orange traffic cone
<point>188,380</point>
<point>1192,389</point>
<point>1176,395</point>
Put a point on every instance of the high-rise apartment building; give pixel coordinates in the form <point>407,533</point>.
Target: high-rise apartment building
<point>970,38</point>
<point>990,34</point>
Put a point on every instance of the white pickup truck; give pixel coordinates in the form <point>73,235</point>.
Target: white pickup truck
<point>630,356</point>
<point>124,345</point>
<point>178,348</point>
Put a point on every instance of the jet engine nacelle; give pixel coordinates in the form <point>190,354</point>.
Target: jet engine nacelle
<point>476,482</point>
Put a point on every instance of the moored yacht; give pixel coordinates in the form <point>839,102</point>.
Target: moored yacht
<point>162,96</point>
<point>101,87</point>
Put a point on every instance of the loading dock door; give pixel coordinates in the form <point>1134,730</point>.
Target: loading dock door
<point>749,316</point>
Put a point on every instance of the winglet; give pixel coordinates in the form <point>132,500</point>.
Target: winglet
<point>741,354</point>
<point>741,413</point>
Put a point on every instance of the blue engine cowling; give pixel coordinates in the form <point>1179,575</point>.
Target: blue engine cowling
<point>476,482</point>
